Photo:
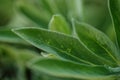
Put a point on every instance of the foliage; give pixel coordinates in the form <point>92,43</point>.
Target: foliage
<point>69,49</point>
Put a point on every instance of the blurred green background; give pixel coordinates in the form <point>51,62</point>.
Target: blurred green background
<point>17,13</point>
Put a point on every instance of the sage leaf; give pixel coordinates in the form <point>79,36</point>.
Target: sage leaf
<point>67,47</point>
<point>114,6</point>
<point>59,24</point>
<point>96,41</point>
<point>66,69</point>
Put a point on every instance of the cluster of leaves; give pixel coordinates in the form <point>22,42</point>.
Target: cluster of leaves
<point>72,50</point>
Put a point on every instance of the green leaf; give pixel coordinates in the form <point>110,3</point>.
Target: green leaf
<point>75,9</point>
<point>6,35</point>
<point>51,5</point>
<point>62,6</point>
<point>68,69</point>
<point>65,46</point>
<point>59,24</point>
<point>96,41</point>
<point>39,16</point>
<point>115,13</point>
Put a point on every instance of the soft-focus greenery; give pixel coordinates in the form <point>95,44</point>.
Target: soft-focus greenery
<point>56,40</point>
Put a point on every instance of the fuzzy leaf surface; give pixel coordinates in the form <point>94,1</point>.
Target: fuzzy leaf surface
<point>96,41</point>
<point>59,23</point>
<point>66,69</point>
<point>67,47</point>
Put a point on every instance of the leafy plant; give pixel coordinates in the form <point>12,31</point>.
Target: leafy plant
<point>82,52</point>
<point>69,50</point>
